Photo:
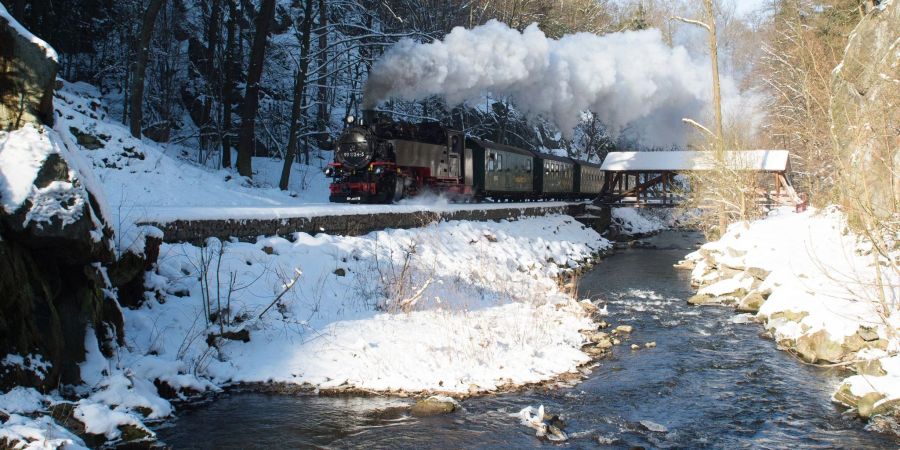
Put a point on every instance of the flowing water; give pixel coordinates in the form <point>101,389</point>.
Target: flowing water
<point>710,383</point>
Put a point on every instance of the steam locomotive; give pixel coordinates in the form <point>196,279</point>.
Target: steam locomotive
<point>381,161</point>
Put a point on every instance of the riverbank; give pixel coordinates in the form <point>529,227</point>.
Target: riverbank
<point>822,293</point>
<point>454,307</point>
<point>709,382</point>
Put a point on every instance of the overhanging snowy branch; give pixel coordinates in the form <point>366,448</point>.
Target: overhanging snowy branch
<point>690,21</point>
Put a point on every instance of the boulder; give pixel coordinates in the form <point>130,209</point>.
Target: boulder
<point>434,405</point>
<point>871,367</point>
<point>883,407</point>
<point>598,336</point>
<point>28,70</point>
<point>624,329</point>
<point>751,302</point>
<point>758,273</point>
<point>867,334</point>
<point>819,346</point>
<point>791,316</point>
<point>845,396</point>
<point>866,404</point>
<point>700,300</point>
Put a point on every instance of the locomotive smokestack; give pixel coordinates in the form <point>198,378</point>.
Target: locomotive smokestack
<point>369,116</point>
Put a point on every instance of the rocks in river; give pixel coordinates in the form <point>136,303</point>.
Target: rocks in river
<point>819,346</point>
<point>650,345</point>
<point>598,336</point>
<point>626,329</point>
<point>653,426</point>
<point>866,404</point>
<point>635,347</point>
<point>684,264</point>
<point>434,405</point>
<point>700,300</point>
<point>545,425</point>
<point>751,302</point>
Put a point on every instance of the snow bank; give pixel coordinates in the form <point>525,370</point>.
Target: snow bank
<point>41,433</point>
<point>632,221</point>
<point>138,175</point>
<point>826,293</point>
<point>454,307</point>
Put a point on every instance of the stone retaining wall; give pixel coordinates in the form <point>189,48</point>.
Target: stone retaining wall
<point>349,225</point>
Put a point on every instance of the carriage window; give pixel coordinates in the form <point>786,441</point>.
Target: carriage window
<point>528,165</point>
<point>490,165</point>
<point>499,162</point>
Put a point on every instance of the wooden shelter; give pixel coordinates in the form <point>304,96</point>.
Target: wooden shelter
<point>646,178</point>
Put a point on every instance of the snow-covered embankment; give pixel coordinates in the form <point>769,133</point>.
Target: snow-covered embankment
<point>821,291</point>
<point>455,307</point>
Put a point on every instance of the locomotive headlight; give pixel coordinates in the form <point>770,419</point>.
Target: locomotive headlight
<point>378,170</point>
<point>329,171</point>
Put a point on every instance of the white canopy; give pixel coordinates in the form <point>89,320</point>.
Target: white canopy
<point>756,160</point>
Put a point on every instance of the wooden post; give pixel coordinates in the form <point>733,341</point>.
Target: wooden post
<point>665,188</point>
<point>777,187</point>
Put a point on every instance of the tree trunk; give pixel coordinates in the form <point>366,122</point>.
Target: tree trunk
<point>251,96</point>
<point>142,51</point>
<point>299,88</point>
<point>717,100</point>
<point>228,85</point>
<point>322,94</point>
<point>210,73</point>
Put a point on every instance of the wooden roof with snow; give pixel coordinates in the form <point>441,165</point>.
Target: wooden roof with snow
<point>682,161</point>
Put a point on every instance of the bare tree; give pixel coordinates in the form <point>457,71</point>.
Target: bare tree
<point>718,137</point>
<point>246,136</point>
<point>142,52</point>
<point>322,92</point>
<point>228,85</point>
<point>299,89</point>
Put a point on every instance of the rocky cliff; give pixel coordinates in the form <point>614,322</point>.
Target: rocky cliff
<point>56,248</point>
<point>865,109</point>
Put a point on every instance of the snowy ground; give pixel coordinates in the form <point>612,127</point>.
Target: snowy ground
<point>831,298</point>
<point>139,174</point>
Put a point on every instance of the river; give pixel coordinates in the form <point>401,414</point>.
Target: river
<point>709,382</point>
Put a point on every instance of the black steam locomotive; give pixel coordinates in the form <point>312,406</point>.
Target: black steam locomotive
<point>383,161</point>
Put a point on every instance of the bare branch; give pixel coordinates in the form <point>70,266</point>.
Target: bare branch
<point>697,125</point>
<point>690,21</point>
<point>287,288</point>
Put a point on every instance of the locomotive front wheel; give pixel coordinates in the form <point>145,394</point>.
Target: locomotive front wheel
<point>399,189</point>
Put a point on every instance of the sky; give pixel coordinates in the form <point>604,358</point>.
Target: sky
<point>743,7</point>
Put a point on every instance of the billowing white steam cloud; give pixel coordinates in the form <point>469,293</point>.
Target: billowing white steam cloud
<point>629,79</point>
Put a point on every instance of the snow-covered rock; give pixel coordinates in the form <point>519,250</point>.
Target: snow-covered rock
<point>816,289</point>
